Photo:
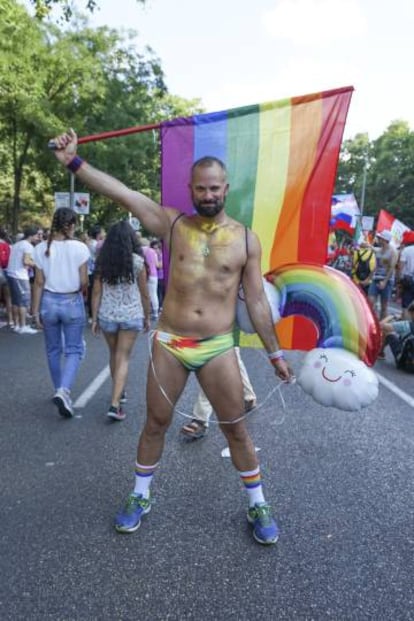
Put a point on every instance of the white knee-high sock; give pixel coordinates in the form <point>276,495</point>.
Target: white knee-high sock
<point>143,478</point>
<point>252,482</point>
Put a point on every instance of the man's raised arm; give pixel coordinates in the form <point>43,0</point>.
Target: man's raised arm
<point>153,217</point>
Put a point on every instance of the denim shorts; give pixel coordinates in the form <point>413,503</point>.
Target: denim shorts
<point>384,294</point>
<point>108,325</point>
<point>19,291</point>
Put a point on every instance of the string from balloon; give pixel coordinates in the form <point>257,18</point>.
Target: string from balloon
<point>277,388</point>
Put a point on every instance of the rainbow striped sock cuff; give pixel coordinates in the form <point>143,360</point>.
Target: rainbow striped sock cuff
<point>251,478</point>
<point>145,471</point>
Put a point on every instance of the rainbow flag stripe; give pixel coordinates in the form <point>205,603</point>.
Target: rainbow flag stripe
<point>281,157</point>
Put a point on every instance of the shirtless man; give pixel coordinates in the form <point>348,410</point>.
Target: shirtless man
<point>210,254</point>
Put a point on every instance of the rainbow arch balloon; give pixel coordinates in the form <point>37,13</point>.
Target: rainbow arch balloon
<point>341,313</point>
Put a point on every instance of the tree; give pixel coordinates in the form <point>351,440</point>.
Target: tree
<point>93,80</point>
<point>39,82</point>
<point>20,111</point>
<point>354,162</point>
<point>392,178</point>
<point>44,8</point>
<point>380,173</point>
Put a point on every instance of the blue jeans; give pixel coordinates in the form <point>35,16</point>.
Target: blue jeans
<point>63,318</point>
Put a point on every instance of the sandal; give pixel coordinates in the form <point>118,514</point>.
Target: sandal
<point>249,405</point>
<point>194,430</point>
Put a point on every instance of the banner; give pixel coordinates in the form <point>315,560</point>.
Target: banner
<point>344,213</point>
<point>282,159</point>
<point>387,222</point>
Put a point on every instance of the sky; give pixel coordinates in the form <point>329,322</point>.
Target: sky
<point>231,53</point>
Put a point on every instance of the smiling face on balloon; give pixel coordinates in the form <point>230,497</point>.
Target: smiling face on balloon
<point>335,377</point>
<point>333,371</point>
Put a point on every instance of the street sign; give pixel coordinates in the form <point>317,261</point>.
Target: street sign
<point>62,199</point>
<point>81,201</point>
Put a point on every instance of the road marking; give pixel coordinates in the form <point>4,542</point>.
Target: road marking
<point>92,389</point>
<point>397,391</point>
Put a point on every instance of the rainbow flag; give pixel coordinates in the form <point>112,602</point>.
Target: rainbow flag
<point>281,158</point>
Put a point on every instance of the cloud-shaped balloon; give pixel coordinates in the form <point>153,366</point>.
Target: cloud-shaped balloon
<point>335,377</point>
<point>337,373</point>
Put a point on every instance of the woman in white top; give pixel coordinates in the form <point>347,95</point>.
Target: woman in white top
<point>58,305</point>
<point>120,304</point>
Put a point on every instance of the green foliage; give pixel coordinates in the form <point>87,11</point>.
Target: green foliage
<point>46,8</point>
<point>91,79</point>
<point>380,173</point>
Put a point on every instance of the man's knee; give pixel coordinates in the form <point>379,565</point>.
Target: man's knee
<point>157,424</point>
<point>236,432</point>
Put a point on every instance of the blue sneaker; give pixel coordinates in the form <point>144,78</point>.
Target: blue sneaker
<point>128,519</point>
<point>265,529</point>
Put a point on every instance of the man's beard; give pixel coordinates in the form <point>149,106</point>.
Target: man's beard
<point>210,209</point>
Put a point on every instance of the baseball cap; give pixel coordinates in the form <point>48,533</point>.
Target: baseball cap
<point>386,235</point>
<point>408,237</point>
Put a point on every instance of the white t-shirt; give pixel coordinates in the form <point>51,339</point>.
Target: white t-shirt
<point>61,267</point>
<point>407,261</point>
<point>15,268</point>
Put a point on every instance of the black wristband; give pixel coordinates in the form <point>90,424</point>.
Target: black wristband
<point>75,164</point>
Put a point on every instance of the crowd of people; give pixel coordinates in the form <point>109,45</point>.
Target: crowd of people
<point>384,272</point>
<point>58,280</point>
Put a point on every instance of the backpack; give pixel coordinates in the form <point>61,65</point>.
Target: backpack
<point>4,254</point>
<point>405,359</point>
<point>362,269</point>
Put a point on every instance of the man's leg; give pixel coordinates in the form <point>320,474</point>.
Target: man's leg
<point>25,302</point>
<point>222,384</point>
<point>385,298</point>
<point>165,382</point>
<point>394,342</point>
<point>221,381</point>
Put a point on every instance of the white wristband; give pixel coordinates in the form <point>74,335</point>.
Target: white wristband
<point>275,355</point>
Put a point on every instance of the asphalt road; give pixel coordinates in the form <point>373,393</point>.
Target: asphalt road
<point>341,485</point>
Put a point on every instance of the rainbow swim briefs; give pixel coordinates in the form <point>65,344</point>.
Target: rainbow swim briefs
<point>195,353</point>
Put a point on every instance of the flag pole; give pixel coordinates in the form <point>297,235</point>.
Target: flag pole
<point>119,132</point>
<point>364,182</point>
<point>112,134</point>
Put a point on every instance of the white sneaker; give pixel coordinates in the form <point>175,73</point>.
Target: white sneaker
<point>63,402</point>
<point>16,329</point>
<point>27,330</point>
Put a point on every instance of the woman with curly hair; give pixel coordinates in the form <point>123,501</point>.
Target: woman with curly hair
<point>61,276</point>
<point>120,304</point>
